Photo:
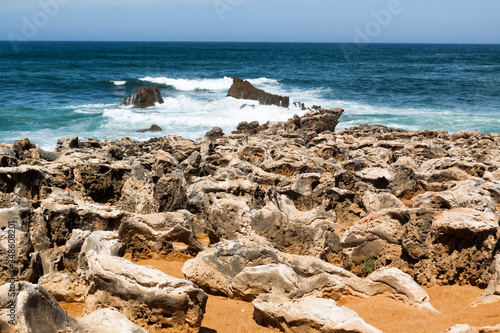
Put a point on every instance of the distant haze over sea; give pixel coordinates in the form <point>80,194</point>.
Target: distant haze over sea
<point>52,90</point>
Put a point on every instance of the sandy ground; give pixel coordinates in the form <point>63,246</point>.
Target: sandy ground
<point>225,315</point>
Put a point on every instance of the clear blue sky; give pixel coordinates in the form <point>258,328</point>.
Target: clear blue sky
<point>393,21</point>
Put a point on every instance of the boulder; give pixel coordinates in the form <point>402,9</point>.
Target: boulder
<point>245,270</point>
<point>71,142</point>
<point>27,181</point>
<point>8,157</point>
<point>36,311</point>
<point>27,264</point>
<point>242,89</point>
<point>444,247</point>
<point>144,97</point>
<point>147,296</point>
<point>149,235</point>
<point>64,286</point>
<point>107,320</point>
<point>248,128</point>
<point>215,269</point>
<point>100,242</point>
<point>214,133</point>
<point>306,233</point>
<point>309,314</point>
<point>492,292</point>
<point>317,121</point>
<point>102,182</point>
<point>170,192</point>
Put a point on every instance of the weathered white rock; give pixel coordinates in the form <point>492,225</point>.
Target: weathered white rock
<point>101,242</point>
<point>107,321</point>
<point>37,311</point>
<point>464,328</point>
<point>428,237</point>
<point>64,286</point>
<point>155,233</point>
<point>377,201</point>
<point>492,293</point>
<point>461,328</point>
<point>246,270</point>
<point>257,280</point>
<point>394,283</point>
<point>462,194</point>
<point>377,176</point>
<point>215,268</point>
<point>143,292</point>
<point>464,219</point>
<point>309,314</point>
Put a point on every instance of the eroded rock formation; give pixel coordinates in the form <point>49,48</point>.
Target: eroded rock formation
<point>242,89</point>
<point>292,209</point>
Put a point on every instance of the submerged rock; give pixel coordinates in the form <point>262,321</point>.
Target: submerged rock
<point>153,128</point>
<point>144,97</point>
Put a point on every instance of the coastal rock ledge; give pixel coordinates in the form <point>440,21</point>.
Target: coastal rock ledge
<point>294,216</point>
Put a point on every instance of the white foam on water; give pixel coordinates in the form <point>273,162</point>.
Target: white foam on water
<point>188,85</point>
<point>205,84</point>
<point>190,117</point>
<point>119,83</point>
<point>89,108</point>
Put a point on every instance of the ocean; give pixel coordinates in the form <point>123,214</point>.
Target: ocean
<point>52,90</point>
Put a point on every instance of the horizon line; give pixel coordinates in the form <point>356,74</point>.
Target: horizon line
<point>248,42</point>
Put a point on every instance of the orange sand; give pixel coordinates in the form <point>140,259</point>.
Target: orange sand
<point>453,302</point>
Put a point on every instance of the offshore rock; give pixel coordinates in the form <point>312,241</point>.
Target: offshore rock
<point>242,89</point>
<point>144,97</point>
<point>153,128</point>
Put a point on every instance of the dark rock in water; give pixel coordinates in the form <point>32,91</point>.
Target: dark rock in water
<point>247,106</point>
<point>245,90</point>
<point>214,133</point>
<point>153,128</point>
<point>144,97</point>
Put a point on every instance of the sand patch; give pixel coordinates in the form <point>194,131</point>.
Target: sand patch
<point>235,316</point>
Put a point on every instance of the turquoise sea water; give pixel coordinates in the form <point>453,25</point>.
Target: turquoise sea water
<point>52,90</point>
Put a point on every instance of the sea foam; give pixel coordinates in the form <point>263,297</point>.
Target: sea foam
<point>203,84</point>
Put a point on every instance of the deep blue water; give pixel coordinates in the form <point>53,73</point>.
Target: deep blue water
<point>51,90</point>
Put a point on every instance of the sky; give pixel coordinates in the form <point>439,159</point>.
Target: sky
<point>343,21</point>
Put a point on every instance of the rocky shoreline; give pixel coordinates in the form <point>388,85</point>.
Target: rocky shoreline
<point>298,216</point>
